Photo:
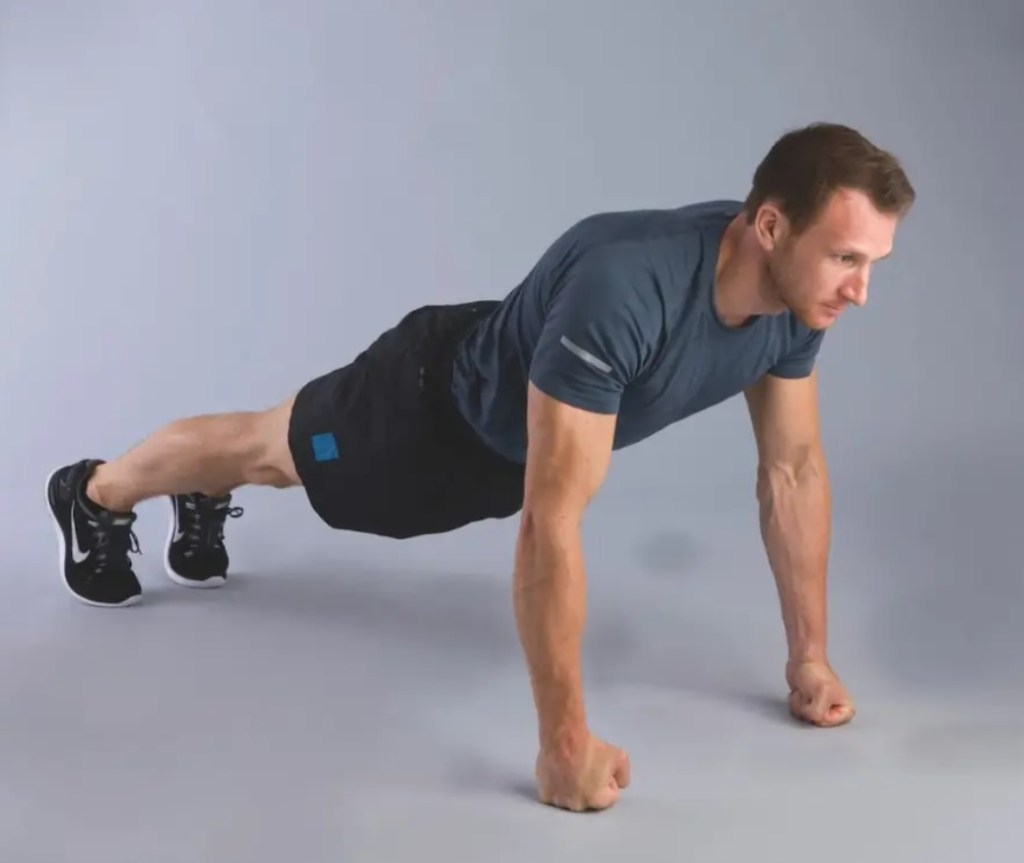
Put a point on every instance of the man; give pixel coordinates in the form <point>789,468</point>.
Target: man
<point>628,323</point>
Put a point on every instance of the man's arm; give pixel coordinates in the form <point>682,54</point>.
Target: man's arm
<point>795,505</point>
<point>567,459</point>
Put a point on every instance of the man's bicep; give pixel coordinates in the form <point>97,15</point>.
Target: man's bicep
<point>567,456</point>
<point>785,419</point>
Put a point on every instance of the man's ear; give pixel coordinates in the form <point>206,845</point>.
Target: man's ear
<point>770,225</point>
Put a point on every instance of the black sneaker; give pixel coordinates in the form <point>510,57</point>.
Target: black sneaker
<point>195,555</point>
<point>94,542</point>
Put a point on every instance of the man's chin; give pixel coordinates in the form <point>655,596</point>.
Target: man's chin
<point>819,317</point>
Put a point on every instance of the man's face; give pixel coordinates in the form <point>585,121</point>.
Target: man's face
<point>826,268</point>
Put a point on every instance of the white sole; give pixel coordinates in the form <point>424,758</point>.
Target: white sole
<point>216,581</point>
<point>63,553</point>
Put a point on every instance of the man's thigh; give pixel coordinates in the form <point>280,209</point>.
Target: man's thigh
<point>279,461</point>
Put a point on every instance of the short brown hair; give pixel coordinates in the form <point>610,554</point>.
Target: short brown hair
<point>806,166</point>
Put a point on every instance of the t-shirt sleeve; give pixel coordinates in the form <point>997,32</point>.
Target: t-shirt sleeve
<point>600,329</point>
<point>800,360</point>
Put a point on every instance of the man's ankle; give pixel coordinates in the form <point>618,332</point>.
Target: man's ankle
<point>99,490</point>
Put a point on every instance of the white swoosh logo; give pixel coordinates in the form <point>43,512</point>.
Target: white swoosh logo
<point>77,555</point>
<point>178,532</point>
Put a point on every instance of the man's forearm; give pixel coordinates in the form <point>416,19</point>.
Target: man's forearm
<point>550,606</point>
<point>795,517</point>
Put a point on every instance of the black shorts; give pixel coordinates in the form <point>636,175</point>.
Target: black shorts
<point>380,446</point>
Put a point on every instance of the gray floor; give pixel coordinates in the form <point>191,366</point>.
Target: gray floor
<point>352,699</point>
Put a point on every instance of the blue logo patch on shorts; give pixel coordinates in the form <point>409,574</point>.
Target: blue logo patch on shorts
<point>325,447</point>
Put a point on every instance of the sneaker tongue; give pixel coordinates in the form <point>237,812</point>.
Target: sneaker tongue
<point>215,502</point>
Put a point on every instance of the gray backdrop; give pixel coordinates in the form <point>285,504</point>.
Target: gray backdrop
<point>205,204</point>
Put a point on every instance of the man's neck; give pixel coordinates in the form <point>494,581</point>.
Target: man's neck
<point>742,288</point>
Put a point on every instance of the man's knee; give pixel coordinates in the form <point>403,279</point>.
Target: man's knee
<point>273,464</point>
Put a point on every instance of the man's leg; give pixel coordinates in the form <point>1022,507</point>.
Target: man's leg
<point>197,462</point>
<point>212,454</point>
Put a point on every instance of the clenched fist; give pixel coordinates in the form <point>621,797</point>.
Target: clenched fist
<point>816,695</point>
<point>585,776</point>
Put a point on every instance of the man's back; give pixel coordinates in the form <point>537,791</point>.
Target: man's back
<point>618,316</point>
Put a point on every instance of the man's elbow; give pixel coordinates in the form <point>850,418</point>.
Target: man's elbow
<point>791,470</point>
<point>547,547</point>
<point>546,521</point>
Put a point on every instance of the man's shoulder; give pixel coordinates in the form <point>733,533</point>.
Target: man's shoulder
<point>797,339</point>
<point>639,243</point>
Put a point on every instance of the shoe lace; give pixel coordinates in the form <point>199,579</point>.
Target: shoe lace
<point>113,540</point>
<point>203,519</point>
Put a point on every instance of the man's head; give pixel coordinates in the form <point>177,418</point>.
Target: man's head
<point>824,206</point>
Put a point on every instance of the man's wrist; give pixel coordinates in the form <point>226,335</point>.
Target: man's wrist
<point>806,638</point>
<point>804,653</point>
<point>564,738</point>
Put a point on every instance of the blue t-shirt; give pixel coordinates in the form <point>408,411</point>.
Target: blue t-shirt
<point>617,316</point>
